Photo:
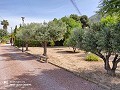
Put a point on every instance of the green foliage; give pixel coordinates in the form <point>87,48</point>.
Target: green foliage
<point>71,22</point>
<point>109,20</point>
<point>5,39</point>
<point>89,42</point>
<point>75,37</point>
<point>103,40</point>
<point>3,33</point>
<point>96,26</point>
<point>109,7</point>
<point>75,17</point>
<point>85,21</point>
<point>5,23</point>
<point>26,32</point>
<point>102,36</point>
<point>51,31</point>
<point>92,57</point>
<point>52,43</point>
<point>18,42</point>
<point>56,30</point>
<point>32,43</point>
<point>15,30</point>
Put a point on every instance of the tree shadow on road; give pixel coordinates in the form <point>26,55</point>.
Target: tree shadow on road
<point>17,56</point>
<point>55,79</point>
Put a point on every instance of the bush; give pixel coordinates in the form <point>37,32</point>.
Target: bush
<point>92,57</point>
<point>31,43</point>
<point>5,39</point>
<point>52,43</point>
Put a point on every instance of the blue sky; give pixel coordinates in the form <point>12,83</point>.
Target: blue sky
<point>40,10</point>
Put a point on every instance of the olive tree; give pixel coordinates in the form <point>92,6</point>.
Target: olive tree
<point>26,33</point>
<point>104,42</point>
<point>74,38</point>
<point>109,7</point>
<point>51,31</point>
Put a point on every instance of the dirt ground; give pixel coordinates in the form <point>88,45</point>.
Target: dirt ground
<point>75,62</point>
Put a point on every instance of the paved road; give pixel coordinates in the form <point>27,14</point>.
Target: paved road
<point>20,71</point>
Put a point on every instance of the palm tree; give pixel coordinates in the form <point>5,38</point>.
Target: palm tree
<point>5,23</point>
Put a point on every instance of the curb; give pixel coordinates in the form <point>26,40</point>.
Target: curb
<point>78,75</point>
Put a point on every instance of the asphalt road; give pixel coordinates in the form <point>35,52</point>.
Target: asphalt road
<point>21,71</point>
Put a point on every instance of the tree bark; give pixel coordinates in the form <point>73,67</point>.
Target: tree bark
<point>115,62</point>
<point>110,71</point>
<point>45,48</point>
<point>26,46</point>
<point>107,65</point>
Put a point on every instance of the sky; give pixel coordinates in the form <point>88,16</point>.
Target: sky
<point>40,10</point>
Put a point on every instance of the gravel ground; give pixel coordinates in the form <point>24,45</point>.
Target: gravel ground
<point>21,71</point>
<point>75,62</point>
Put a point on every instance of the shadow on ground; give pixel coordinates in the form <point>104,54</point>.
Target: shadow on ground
<point>57,79</point>
<point>67,52</point>
<point>16,54</point>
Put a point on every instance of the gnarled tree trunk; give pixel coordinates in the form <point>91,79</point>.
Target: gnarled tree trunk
<point>110,70</point>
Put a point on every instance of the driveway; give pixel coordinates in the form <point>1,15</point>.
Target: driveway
<point>21,71</point>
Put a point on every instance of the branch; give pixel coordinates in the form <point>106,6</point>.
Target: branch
<point>100,55</point>
<point>115,62</point>
<point>115,58</point>
<point>107,56</point>
<point>118,60</point>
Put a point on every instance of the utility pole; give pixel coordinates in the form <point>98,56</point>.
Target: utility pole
<point>22,38</point>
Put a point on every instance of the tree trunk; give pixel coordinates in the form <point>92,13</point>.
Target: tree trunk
<point>108,68</point>
<point>26,46</point>
<point>45,48</point>
<point>111,72</point>
<point>107,65</point>
<point>74,49</point>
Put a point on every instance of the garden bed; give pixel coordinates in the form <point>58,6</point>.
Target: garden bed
<point>75,62</point>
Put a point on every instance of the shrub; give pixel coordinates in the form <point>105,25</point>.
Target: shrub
<point>52,43</point>
<point>92,57</point>
<point>32,43</point>
<point>5,39</point>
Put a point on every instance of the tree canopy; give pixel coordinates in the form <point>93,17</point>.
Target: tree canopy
<point>74,38</point>
<point>51,31</point>
<point>2,33</point>
<point>109,7</point>
<point>5,23</point>
<point>71,23</point>
<point>85,21</point>
<point>103,40</point>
